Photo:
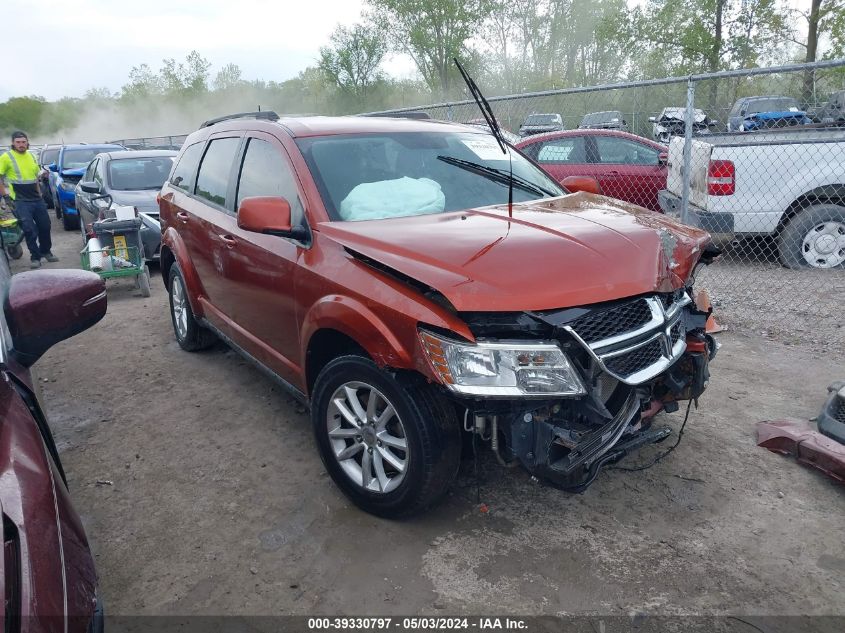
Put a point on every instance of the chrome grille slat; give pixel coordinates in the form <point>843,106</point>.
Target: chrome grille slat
<point>635,347</point>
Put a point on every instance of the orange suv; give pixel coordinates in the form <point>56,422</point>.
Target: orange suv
<point>376,268</point>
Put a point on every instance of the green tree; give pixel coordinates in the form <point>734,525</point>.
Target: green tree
<point>431,32</point>
<point>22,113</point>
<point>353,59</point>
<point>228,77</point>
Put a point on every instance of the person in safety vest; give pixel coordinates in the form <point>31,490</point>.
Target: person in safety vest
<point>19,188</point>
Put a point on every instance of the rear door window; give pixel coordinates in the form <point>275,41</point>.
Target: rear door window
<point>183,175</point>
<point>622,151</point>
<point>558,151</point>
<point>266,172</point>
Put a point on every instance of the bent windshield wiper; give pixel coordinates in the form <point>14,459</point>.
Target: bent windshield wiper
<point>497,175</point>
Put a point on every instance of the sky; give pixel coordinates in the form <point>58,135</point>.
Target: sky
<point>82,44</point>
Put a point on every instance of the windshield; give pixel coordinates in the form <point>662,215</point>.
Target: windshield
<point>782,104</point>
<point>77,158</point>
<point>363,177</point>
<point>134,174</point>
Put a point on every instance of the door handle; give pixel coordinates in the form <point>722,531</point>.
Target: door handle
<point>613,173</point>
<point>228,240</point>
<point>182,216</point>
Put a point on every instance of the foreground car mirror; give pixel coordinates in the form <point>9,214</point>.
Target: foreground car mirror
<point>581,183</point>
<point>269,215</point>
<point>53,167</point>
<point>44,307</point>
<point>90,187</point>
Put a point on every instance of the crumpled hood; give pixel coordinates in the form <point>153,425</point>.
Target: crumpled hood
<point>554,253</point>
<point>145,200</point>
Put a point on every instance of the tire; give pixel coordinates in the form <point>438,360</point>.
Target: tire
<point>57,207</point>
<point>190,335</point>
<point>144,282</point>
<point>15,251</point>
<point>401,482</point>
<point>70,222</point>
<point>814,238</point>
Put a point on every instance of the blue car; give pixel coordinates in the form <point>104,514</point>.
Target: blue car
<point>68,168</point>
<point>758,113</point>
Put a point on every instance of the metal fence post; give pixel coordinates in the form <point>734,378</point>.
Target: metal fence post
<point>685,174</point>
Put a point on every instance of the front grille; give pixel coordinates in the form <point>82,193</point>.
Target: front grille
<point>637,360</point>
<point>599,325</point>
<point>840,411</point>
<point>676,333</point>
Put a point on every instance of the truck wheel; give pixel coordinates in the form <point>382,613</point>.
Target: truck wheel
<point>389,441</point>
<point>814,238</point>
<point>70,222</point>
<point>190,335</point>
<point>57,207</point>
<point>15,251</point>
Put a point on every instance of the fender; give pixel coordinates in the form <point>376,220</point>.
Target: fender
<point>352,318</point>
<point>173,241</point>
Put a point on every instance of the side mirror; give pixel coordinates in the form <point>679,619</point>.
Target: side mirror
<point>53,167</point>
<point>44,307</point>
<point>663,158</point>
<point>269,215</point>
<point>652,119</point>
<point>581,183</point>
<point>90,187</point>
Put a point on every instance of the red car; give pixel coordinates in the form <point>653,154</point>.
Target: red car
<point>375,268</point>
<point>626,166</point>
<point>48,574</point>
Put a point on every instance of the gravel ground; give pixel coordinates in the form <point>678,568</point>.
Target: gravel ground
<point>752,293</point>
<point>218,502</point>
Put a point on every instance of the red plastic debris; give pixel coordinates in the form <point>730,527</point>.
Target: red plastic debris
<point>799,439</point>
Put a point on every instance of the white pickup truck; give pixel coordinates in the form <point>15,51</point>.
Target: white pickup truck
<point>787,184</point>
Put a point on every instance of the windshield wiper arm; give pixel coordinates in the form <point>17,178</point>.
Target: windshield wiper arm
<point>498,175</point>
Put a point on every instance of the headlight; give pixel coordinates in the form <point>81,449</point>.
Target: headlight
<point>66,186</point>
<point>502,369</point>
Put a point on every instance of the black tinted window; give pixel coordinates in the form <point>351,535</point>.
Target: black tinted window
<point>183,175</point>
<point>213,177</point>
<point>265,172</point>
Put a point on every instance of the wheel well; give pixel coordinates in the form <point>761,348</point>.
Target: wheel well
<point>324,346</point>
<point>829,194</point>
<point>166,260</point>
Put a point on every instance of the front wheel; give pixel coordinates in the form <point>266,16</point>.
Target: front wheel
<point>814,238</point>
<point>190,335</point>
<point>70,222</point>
<point>390,441</point>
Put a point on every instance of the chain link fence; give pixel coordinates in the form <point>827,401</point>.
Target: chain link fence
<point>756,157</point>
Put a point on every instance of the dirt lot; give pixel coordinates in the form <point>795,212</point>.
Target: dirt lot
<point>218,502</point>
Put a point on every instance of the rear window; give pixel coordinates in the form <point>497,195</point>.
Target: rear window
<point>784,104</point>
<point>542,119</point>
<point>135,174</point>
<point>601,117</point>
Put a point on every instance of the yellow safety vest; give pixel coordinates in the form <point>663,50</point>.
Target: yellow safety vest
<point>18,173</point>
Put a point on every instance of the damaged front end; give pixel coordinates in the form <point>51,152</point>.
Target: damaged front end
<point>565,392</point>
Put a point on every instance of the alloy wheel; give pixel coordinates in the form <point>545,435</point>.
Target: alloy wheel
<point>367,437</point>
<point>179,307</point>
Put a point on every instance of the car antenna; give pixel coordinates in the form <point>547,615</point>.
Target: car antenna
<point>487,112</point>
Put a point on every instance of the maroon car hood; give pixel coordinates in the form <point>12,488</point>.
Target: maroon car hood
<point>554,253</point>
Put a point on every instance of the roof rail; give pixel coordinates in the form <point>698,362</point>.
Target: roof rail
<point>264,114</point>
